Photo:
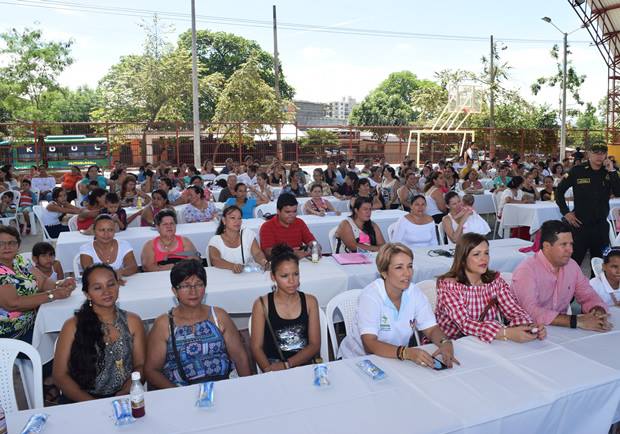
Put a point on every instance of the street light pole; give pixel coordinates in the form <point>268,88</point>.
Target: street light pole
<point>195,106</point>
<point>564,82</point>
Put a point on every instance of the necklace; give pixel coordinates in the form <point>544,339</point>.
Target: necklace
<point>166,246</point>
<point>105,256</point>
<point>106,326</point>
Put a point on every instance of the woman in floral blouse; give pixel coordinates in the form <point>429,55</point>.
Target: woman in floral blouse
<point>23,288</point>
<point>198,209</point>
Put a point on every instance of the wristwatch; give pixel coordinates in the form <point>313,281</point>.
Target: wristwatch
<point>50,295</point>
<point>444,340</point>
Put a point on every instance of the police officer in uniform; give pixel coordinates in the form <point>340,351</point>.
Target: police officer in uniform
<point>593,182</point>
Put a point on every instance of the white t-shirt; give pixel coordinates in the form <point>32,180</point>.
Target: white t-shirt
<point>234,255</point>
<point>604,289</point>
<point>43,184</point>
<point>124,247</point>
<point>377,315</point>
<point>414,235</point>
<point>505,195</point>
<point>474,223</point>
<point>245,178</point>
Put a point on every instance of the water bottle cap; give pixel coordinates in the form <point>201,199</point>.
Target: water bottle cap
<point>135,376</point>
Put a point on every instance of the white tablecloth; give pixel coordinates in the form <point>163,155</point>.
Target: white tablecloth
<point>149,295</point>
<point>338,204</point>
<point>501,387</point>
<point>535,214</point>
<point>483,203</point>
<point>505,257</point>
<point>200,233</point>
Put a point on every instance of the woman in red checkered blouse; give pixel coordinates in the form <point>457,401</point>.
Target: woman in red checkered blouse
<point>473,300</point>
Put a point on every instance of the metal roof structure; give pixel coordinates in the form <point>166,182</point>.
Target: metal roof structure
<point>602,20</point>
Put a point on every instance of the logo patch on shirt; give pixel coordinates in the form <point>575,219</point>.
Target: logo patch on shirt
<point>384,325</point>
<point>583,181</point>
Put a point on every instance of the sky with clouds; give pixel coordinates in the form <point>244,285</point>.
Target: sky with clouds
<point>327,66</point>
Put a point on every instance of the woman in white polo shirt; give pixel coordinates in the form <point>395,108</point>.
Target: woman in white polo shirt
<point>388,311</point>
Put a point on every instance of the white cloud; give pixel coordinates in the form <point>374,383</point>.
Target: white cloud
<point>83,73</point>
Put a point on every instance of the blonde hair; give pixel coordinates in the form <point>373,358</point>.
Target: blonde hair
<point>387,252</point>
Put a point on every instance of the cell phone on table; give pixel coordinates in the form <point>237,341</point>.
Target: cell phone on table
<point>438,365</point>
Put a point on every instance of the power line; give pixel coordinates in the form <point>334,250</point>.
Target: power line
<point>241,22</point>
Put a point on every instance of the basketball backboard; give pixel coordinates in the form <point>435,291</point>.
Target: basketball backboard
<point>465,97</point>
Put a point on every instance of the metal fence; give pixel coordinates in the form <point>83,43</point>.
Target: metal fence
<point>135,143</point>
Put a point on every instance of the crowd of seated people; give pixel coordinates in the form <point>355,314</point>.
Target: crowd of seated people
<point>101,344</point>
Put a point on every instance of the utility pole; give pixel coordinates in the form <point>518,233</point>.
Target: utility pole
<point>276,75</point>
<point>564,80</point>
<point>195,106</point>
<point>492,99</point>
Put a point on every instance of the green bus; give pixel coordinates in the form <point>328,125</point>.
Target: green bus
<point>58,152</point>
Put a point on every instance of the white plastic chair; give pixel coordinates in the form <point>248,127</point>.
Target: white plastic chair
<point>346,304</point>
<point>498,220</point>
<point>391,230</point>
<point>441,232</point>
<point>37,210</point>
<point>30,371</point>
<point>615,215</point>
<point>7,220</point>
<point>597,266</point>
<point>265,208</point>
<point>324,350</point>
<point>612,233</point>
<point>72,223</point>
<point>77,266</point>
<point>333,242</point>
<point>429,288</point>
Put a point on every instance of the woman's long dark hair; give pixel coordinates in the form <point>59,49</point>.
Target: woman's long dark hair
<point>227,210</point>
<point>464,246</point>
<point>368,228</point>
<point>88,347</point>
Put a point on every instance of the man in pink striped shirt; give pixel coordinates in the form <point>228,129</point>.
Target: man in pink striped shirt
<point>546,283</point>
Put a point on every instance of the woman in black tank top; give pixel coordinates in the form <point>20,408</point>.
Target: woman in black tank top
<point>285,322</point>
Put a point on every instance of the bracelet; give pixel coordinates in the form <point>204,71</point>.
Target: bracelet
<point>505,338</point>
<point>399,352</point>
<point>444,340</point>
<point>405,353</point>
<point>286,365</point>
<point>573,321</point>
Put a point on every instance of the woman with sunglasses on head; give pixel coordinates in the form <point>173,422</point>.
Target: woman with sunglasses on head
<point>285,322</point>
<point>389,312</point>
<point>193,342</point>
<point>101,345</point>
<point>473,300</point>
<point>358,231</point>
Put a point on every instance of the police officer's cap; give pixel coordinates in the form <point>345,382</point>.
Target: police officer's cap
<point>599,147</point>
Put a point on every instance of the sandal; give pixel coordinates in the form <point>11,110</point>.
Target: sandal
<point>51,393</point>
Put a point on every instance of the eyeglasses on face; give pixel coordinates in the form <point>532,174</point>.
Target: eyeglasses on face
<point>187,287</point>
<point>12,243</point>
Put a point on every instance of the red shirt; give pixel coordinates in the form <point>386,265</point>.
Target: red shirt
<point>272,232</point>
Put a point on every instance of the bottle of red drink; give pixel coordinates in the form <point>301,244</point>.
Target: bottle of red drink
<point>137,395</point>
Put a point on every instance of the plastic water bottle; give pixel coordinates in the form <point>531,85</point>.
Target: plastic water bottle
<point>315,251</point>
<point>137,396</point>
<point>139,202</point>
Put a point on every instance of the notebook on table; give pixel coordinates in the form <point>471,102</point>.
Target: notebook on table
<point>351,258</point>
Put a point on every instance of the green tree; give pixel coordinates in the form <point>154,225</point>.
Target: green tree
<point>573,79</point>
<point>62,105</point>
<point>31,68</point>
<point>225,53</point>
<point>153,86</point>
<point>247,100</point>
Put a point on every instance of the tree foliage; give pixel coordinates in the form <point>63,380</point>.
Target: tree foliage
<point>573,80</point>
<point>31,68</point>
<point>225,53</point>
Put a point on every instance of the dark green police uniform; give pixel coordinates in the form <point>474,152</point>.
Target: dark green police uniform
<point>591,191</point>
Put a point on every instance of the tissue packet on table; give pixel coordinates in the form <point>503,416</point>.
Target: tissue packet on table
<point>35,424</point>
<point>122,412</point>
<point>321,378</point>
<point>205,395</point>
<point>370,369</point>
